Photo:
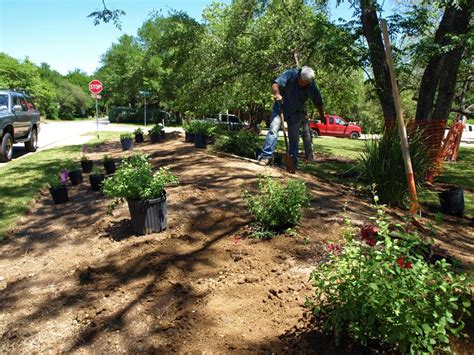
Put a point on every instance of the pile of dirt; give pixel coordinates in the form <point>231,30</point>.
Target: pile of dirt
<point>77,279</point>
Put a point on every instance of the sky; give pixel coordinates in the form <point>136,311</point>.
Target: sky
<point>59,33</point>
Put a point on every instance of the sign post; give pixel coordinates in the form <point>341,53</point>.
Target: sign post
<point>145,94</point>
<point>95,87</point>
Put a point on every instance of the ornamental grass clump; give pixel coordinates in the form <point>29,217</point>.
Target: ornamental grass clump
<point>379,286</point>
<point>381,163</point>
<point>277,206</point>
<point>242,143</point>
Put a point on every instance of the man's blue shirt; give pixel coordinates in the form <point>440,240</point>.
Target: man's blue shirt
<point>295,96</point>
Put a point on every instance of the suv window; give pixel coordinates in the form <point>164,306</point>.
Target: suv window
<point>17,100</point>
<point>340,121</point>
<point>331,120</point>
<point>4,100</point>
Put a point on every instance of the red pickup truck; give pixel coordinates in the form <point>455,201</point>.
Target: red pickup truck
<point>334,126</point>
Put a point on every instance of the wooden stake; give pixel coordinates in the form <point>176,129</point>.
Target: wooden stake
<point>402,132</point>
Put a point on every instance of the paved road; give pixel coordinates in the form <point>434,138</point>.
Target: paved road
<point>62,133</point>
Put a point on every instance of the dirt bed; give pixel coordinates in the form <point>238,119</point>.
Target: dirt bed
<point>74,279</point>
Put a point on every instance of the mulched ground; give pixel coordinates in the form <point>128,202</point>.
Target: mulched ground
<point>74,279</point>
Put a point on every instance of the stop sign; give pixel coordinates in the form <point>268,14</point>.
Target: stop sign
<point>95,86</point>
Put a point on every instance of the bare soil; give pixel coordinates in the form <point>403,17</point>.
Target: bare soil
<point>74,279</point>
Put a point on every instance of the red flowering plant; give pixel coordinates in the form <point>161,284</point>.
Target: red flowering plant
<point>389,293</point>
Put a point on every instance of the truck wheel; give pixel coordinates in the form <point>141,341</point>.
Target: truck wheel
<point>354,135</point>
<point>32,144</point>
<point>6,148</point>
<point>314,133</point>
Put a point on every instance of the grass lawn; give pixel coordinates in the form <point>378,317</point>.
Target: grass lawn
<point>22,179</point>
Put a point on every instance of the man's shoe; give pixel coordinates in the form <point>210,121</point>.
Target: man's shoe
<point>264,161</point>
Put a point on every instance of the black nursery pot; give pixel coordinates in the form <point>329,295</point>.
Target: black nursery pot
<point>155,138</point>
<point>75,176</point>
<point>109,166</point>
<point>200,140</point>
<point>59,194</point>
<point>139,138</point>
<point>452,202</point>
<point>163,135</point>
<point>86,166</point>
<point>96,181</point>
<point>148,216</point>
<point>277,160</point>
<point>127,143</point>
<point>189,137</point>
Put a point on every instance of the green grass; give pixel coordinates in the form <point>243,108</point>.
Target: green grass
<point>460,173</point>
<point>22,179</point>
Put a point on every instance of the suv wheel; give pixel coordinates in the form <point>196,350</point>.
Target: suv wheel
<point>32,144</point>
<point>6,148</point>
<point>314,133</point>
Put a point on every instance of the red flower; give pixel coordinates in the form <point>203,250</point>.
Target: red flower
<point>367,231</point>
<point>334,248</point>
<point>400,262</point>
<point>408,265</point>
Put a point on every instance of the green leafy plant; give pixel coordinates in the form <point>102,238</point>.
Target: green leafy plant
<point>135,180</point>
<point>84,156</point>
<point>243,143</point>
<point>378,285</point>
<point>156,129</point>
<point>382,164</point>
<point>277,206</point>
<point>138,131</point>
<point>96,170</point>
<point>107,158</point>
<point>126,135</point>
<point>203,127</point>
<point>71,165</point>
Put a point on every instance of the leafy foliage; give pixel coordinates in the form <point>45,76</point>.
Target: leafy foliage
<point>277,206</point>
<point>126,135</point>
<point>379,286</point>
<point>156,129</point>
<point>203,127</point>
<point>382,164</point>
<point>243,143</point>
<point>134,180</point>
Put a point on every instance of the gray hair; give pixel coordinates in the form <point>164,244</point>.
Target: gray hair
<point>307,74</point>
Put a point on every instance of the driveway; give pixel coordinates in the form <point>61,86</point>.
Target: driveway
<point>61,133</point>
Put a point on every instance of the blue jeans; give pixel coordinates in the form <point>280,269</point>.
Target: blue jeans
<point>294,123</point>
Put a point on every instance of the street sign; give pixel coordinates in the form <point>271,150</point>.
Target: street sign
<point>96,96</point>
<point>95,86</point>
<point>145,93</point>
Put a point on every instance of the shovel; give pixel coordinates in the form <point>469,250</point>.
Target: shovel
<point>290,165</point>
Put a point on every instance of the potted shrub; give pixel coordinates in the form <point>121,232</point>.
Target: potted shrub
<point>74,173</point>
<point>144,191</point>
<point>58,189</point>
<point>126,139</point>
<point>86,163</point>
<point>156,133</point>
<point>96,179</point>
<point>188,133</point>
<point>202,130</point>
<point>138,135</point>
<point>109,164</point>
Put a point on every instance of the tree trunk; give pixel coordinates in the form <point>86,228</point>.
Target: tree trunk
<point>439,78</point>
<point>438,84</point>
<point>373,35</point>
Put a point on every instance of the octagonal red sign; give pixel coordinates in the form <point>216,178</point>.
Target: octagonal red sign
<point>95,86</point>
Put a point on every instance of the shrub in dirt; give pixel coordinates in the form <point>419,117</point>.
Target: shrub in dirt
<point>242,143</point>
<point>135,180</point>
<point>378,287</point>
<point>277,206</point>
<point>381,163</point>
